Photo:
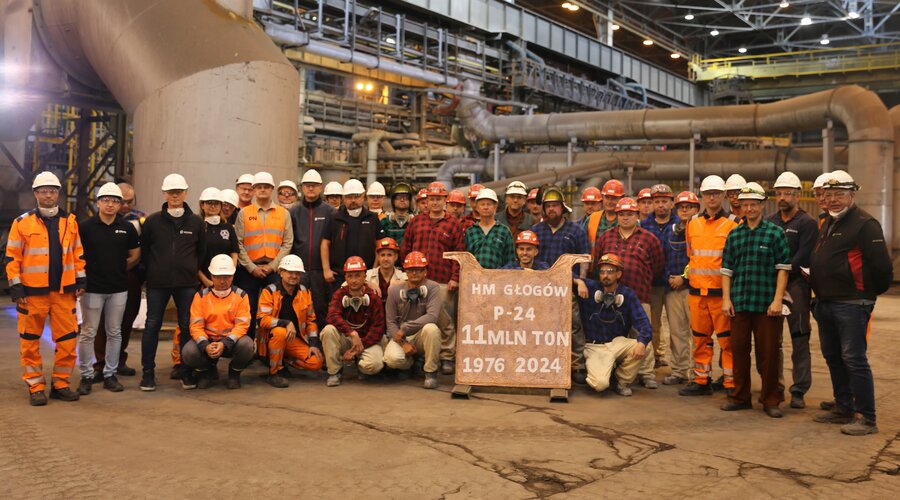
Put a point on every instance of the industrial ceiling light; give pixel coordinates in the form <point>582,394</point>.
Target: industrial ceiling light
<point>824,40</point>
<point>615,27</point>
<point>806,21</point>
<point>784,5</point>
<point>853,14</point>
<point>675,55</point>
<point>390,40</point>
<point>369,87</point>
<point>852,11</point>
<point>360,86</point>
<point>742,50</point>
<point>648,42</point>
<point>714,32</point>
<point>689,16</point>
<point>570,6</point>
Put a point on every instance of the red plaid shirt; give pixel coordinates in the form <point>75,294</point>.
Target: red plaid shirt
<point>433,237</point>
<point>468,221</point>
<point>641,253</point>
<point>370,318</point>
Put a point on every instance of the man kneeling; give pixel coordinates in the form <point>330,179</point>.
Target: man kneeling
<point>414,311</point>
<point>608,314</point>
<point>220,317</point>
<point>287,324</point>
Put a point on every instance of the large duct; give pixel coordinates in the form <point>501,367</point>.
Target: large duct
<point>895,121</point>
<point>211,96</point>
<point>863,114</point>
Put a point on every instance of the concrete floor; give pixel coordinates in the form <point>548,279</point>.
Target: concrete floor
<point>390,439</point>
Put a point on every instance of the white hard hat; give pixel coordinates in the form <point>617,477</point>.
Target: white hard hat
<point>46,179</point>
<point>174,181</point>
<point>752,191</point>
<point>353,186</point>
<point>109,189</point>
<point>211,194</point>
<point>820,180</point>
<point>311,177</point>
<point>244,179</point>
<point>376,189</point>
<point>487,194</point>
<point>333,188</point>
<point>230,196</point>
<point>291,262</point>
<point>289,184</point>
<point>517,187</point>
<point>788,180</point>
<point>263,178</point>
<point>221,265</point>
<point>712,183</point>
<point>735,182</point>
<point>840,179</point>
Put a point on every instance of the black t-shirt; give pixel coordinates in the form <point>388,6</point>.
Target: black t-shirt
<point>106,253</point>
<point>220,238</point>
<point>287,312</point>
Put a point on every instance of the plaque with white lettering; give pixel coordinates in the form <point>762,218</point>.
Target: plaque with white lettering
<point>514,327</point>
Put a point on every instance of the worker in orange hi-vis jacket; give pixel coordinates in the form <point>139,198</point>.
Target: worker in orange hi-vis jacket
<point>220,318</point>
<point>287,325</point>
<point>46,273</point>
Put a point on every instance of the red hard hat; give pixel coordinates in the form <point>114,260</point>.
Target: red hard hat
<point>354,264</point>
<point>423,193</point>
<point>527,237</point>
<point>437,189</point>
<point>613,188</point>
<point>474,190</point>
<point>456,196</point>
<point>532,195</point>
<point>644,194</point>
<point>687,197</point>
<point>386,244</point>
<point>626,204</point>
<point>611,259</point>
<point>591,194</point>
<point>415,260</point>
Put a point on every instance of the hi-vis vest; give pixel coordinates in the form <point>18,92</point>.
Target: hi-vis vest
<point>705,237</point>
<point>593,226</point>
<point>213,319</point>
<point>28,251</point>
<point>262,242</point>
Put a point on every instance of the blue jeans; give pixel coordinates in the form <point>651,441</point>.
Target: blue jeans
<point>842,333</point>
<point>157,300</point>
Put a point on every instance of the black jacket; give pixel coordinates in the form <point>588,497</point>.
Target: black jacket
<point>351,237</point>
<point>309,221</point>
<point>172,249</point>
<point>851,260</point>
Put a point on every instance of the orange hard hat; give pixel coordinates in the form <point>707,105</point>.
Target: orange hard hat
<point>423,193</point>
<point>354,264</point>
<point>474,190</point>
<point>591,194</point>
<point>456,196</point>
<point>532,195</point>
<point>527,237</point>
<point>625,205</point>
<point>644,194</point>
<point>613,188</point>
<point>611,259</point>
<point>687,197</point>
<point>437,189</point>
<point>415,260</point>
<point>386,244</point>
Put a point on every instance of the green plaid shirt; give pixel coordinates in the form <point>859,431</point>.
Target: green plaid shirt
<point>492,250</point>
<point>752,258</point>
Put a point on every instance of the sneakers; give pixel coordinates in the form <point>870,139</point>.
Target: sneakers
<point>695,389</point>
<point>112,384</point>
<point>859,427</point>
<point>333,380</point>
<point>84,388</point>
<point>579,376</point>
<point>37,399</point>
<point>175,374</point>
<point>431,381</point>
<point>797,401</point>
<point>234,379</point>
<point>188,380</point>
<point>205,378</point>
<point>836,415</point>
<point>623,390</point>
<point>674,380</point>
<point>735,406</point>
<point>277,381</point>
<point>63,394</point>
<point>773,411</point>
<point>148,381</point>
<point>649,383</point>
<point>719,384</point>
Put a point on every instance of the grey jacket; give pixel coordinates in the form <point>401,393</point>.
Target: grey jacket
<point>410,317</point>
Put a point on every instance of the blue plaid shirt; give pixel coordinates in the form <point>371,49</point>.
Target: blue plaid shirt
<point>675,248</point>
<point>659,231</point>
<point>537,265</point>
<point>569,238</point>
<point>602,324</point>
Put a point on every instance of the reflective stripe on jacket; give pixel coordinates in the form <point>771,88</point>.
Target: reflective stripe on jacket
<point>28,252</point>
<point>270,303</point>
<point>214,318</point>
<point>705,238</point>
<point>263,241</point>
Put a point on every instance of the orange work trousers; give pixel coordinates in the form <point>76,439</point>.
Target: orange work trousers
<point>707,319</point>
<point>60,307</point>
<point>176,348</point>
<point>296,351</point>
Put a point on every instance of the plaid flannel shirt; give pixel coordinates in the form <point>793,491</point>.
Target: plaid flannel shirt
<point>569,238</point>
<point>602,324</point>
<point>371,317</point>
<point>537,265</point>
<point>752,258</point>
<point>433,237</point>
<point>641,253</point>
<point>675,248</point>
<point>492,249</point>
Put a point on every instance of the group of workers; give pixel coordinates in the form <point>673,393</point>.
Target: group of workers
<point>322,279</point>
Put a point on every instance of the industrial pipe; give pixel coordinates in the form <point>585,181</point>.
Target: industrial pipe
<point>455,166</point>
<point>554,175</point>
<point>895,246</point>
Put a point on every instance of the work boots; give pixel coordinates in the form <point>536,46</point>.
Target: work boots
<point>37,398</point>
<point>84,388</point>
<point>431,381</point>
<point>695,389</point>
<point>234,379</point>
<point>277,381</point>
<point>63,394</point>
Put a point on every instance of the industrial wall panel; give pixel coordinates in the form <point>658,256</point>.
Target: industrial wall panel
<point>529,26</point>
<point>557,42</point>
<point>496,12</point>
<point>615,62</point>
<point>542,35</point>
<point>460,11</point>
<point>513,22</point>
<point>595,54</point>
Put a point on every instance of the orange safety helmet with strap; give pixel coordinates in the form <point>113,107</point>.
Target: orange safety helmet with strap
<point>263,241</point>
<point>354,263</point>
<point>28,251</point>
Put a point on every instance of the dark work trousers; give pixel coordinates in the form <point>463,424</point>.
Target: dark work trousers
<point>315,281</point>
<point>157,300</point>
<point>253,286</point>
<point>799,328</point>
<point>750,329</point>
<point>132,306</point>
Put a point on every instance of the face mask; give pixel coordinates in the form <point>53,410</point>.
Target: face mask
<point>609,299</point>
<point>413,294</point>
<point>222,293</point>
<point>355,212</point>
<point>175,212</point>
<point>213,220</point>
<point>355,303</point>
<point>48,212</point>
<point>837,214</point>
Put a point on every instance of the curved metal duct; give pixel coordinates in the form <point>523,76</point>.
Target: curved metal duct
<point>212,97</point>
<point>455,166</point>
<point>867,121</point>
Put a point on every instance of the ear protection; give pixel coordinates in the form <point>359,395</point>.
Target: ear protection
<point>413,294</point>
<point>609,299</point>
<point>355,302</point>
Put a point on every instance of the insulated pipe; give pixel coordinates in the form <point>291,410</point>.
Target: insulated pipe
<point>554,175</point>
<point>455,166</point>
<point>861,111</point>
<point>425,154</point>
<point>212,97</point>
<point>302,41</point>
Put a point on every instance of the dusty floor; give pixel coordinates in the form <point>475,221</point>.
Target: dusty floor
<point>390,439</point>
